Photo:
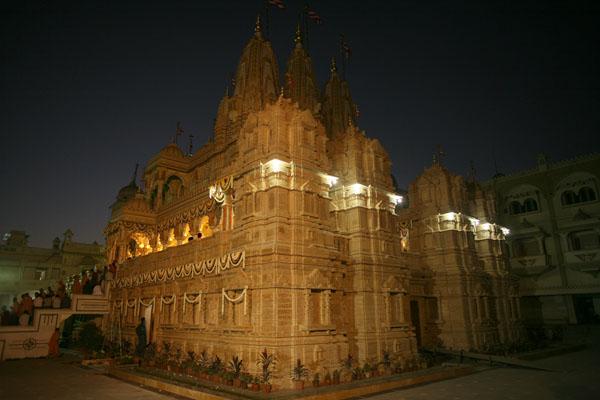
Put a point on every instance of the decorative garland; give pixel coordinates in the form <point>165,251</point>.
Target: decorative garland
<point>198,211</point>
<point>217,191</point>
<point>234,300</point>
<point>163,300</point>
<point>213,266</point>
<point>131,304</point>
<point>129,226</point>
<point>195,300</point>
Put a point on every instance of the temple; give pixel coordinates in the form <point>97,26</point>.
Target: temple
<point>285,232</point>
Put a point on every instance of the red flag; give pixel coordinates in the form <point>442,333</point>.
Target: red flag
<point>277,3</point>
<point>316,18</point>
<point>346,50</point>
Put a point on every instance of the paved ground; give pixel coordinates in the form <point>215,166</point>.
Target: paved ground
<point>60,379</point>
<point>578,377</point>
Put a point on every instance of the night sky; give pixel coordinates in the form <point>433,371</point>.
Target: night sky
<point>89,88</point>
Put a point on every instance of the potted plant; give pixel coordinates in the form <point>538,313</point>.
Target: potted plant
<point>255,386</point>
<point>387,362</point>
<point>190,363</point>
<point>163,357</point>
<point>367,370</point>
<point>215,369</point>
<point>299,372</point>
<point>204,364</point>
<point>245,379</point>
<point>266,362</point>
<point>347,365</point>
<point>149,355</point>
<point>327,379</point>
<point>235,365</point>
<point>357,373</point>
<point>336,377</point>
<point>228,377</point>
<point>316,379</point>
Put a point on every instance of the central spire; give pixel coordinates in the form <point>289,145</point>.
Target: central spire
<point>257,75</point>
<point>300,83</point>
<point>339,110</point>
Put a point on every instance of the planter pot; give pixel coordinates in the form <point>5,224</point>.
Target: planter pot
<point>336,381</point>
<point>237,383</point>
<point>327,382</point>
<point>266,387</point>
<point>298,384</point>
<point>255,387</point>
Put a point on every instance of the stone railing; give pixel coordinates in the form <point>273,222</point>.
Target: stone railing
<point>32,340</point>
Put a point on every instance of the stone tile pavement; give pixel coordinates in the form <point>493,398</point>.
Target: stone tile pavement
<point>578,377</point>
<point>44,379</point>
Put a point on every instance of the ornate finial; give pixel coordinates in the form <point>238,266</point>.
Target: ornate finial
<point>281,92</point>
<point>333,67</point>
<point>178,131</point>
<point>257,26</point>
<point>437,157</point>
<point>298,37</point>
<point>135,170</point>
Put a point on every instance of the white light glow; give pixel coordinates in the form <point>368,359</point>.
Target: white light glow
<point>276,165</point>
<point>396,198</point>
<point>505,231</point>
<point>449,216</point>
<point>356,188</point>
<point>211,191</point>
<point>331,180</point>
<point>486,226</point>
<point>474,221</point>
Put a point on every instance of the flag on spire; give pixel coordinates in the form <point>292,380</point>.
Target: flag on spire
<point>345,48</point>
<point>277,3</point>
<point>314,16</point>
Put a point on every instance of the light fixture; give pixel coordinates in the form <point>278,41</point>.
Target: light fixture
<point>329,179</point>
<point>474,221</point>
<point>395,198</point>
<point>486,226</point>
<point>449,216</point>
<point>276,165</point>
<point>505,231</point>
<point>356,188</point>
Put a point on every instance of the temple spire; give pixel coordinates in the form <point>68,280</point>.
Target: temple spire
<point>338,111</point>
<point>258,26</point>
<point>300,83</point>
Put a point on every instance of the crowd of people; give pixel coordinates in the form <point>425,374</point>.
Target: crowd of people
<point>92,282</point>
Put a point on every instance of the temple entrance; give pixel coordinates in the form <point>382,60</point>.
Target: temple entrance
<point>415,319</point>
<point>148,323</point>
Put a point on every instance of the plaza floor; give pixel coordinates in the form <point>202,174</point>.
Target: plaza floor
<point>577,377</point>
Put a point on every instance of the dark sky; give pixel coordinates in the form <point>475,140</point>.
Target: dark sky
<point>89,88</point>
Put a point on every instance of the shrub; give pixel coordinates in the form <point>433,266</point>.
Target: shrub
<point>91,338</point>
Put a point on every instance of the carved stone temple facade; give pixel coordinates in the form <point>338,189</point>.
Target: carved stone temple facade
<point>285,232</point>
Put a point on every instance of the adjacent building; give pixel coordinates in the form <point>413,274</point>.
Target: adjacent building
<point>553,212</point>
<point>25,268</point>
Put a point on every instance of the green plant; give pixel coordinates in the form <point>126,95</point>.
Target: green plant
<point>149,352</point>
<point>347,363</point>
<point>387,359</point>
<point>336,376</point>
<point>216,366</point>
<point>90,338</point>
<point>204,361</point>
<point>236,364</point>
<point>357,373</point>
<point>316,379</point>
<point>190,361</point>
<point>300,371</point>
<point>266,361</point>
<point>366,368</point>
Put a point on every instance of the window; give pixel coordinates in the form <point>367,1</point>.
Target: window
<point>586,193</point>
<point>584,240</point>
<point>530,205</point>
<point>515,207</point>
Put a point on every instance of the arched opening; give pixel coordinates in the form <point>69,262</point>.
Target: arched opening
<point>568,197</point>
<point>530,205</point>
<point>586,193</point>
<point>515,207</point>
<point>172,189</point>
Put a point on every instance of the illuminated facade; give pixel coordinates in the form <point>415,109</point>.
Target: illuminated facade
<point>285,232</point>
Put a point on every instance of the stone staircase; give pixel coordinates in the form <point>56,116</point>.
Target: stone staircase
<point>32,341</point>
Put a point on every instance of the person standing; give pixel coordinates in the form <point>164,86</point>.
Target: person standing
<point>140,331</point>
<point>53,349</point>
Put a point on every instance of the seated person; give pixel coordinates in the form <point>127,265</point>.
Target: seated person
<point>24,319</point>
